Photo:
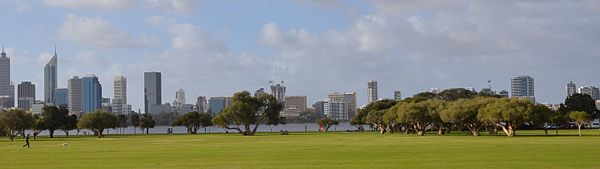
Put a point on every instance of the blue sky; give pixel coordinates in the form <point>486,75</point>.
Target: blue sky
<point>215,48</point>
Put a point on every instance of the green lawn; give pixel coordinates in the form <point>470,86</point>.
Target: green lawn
<point>308,150</point>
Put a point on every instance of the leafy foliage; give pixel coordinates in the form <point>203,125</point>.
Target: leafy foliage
<point>247,110</point>
<point>14,122</point>
<point>97,122</point>
<point>193,121</point>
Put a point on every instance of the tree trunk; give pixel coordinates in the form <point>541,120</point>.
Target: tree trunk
<point>579,128</point>
<point>508,130</point>
<point>99,132</point>
<point>51,133</point>
<point>545,130</point>
<point>441,130</point>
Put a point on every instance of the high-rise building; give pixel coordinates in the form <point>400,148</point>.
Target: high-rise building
<point>119,104</point>
<point>340,106</point>
<point>571,89</point>
<point>201,104</point>
<point>372,91</point>
<point>523,87</point>
<point>319,108</point>
<point>75,94</point>
<point>91,93</point>
<point>7,89</point>
<point>179,98</point>
<point>26,95</point>
<point>397,95</point>
<point>259,92</point>
<point>61,97</point>
<point>216,104</point>
<point>278,91</point>
<point>50,78</point>
<point>294,106</point>
<point>152,90</point>
<point>350,98</point>
<point>591,91</point>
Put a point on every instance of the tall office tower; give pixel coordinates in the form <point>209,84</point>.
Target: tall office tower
<point>216,104</point>
<point>50,79</point>
<point>319,108</point>
<point>372,91</point>
<point>278,91</point>
<point>75,97</point>
<point>294,106</point>
<point>61,97</point>
<point>7,89</point>
<point>571,89</point>
<point>91,93</point>
<point>26,95</point>
<point>397,95</point>
<point>201,104</point>
<point>350,98</point>
<point>179,98</point>
<point>523,87</point>
<point>119,104</point>
<point>591,91</point>
<point>259,92</point>
<point>152,91</point>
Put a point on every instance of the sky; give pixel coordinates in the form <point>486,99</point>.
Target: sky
<point>216,48</point>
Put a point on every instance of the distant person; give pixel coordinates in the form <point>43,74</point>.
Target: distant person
<point>26,141</point>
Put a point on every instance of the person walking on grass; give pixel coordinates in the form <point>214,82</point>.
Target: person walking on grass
<point>26,141</point>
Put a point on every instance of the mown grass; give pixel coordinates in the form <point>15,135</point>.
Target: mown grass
<point>309,150</point>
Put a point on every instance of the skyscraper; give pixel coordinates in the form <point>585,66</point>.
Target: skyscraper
<point>61,97</point>
<point>179,98</point>
<point>397,95</point>
<point>119,104</point>
<point>201,104</point>
<point>50,79</point>
<point>152,91</point>
<point>372,91</point>
<point>91,93</point>
<point>216,104</point>
<point>350,98</point>
<point>7,89</point>
<point>571,89</point>
<point>278,91</point>
<point>294,106</point>
<point>26,95</point>
<point>75,98</point>
<point>523,87</point>
<point>590,90</point>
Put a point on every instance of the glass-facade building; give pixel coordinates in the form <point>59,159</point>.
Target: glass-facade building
<point>61,97</point>
<point>91,93</point>
<point>216,104</point>
<point>152,91</point>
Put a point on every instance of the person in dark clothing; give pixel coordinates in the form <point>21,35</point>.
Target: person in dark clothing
<point>26,141</point>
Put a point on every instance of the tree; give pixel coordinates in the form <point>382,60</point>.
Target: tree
<point>455,94</point>
<point>134,120</point>
<point>360,118</point>
<point>580,118</point>
<point>14,122</point>
<point>326,123</point>
<point>540,116</point>
<point>507,114</point>
<point>375,117</point>
<point>463,113</point>
<point>38,125</point>
<point>97,122</point>
<point>54,118</point>
<point>193,121</point>
<point>582,102</point>
<point>146,122</point>
<point>122,119</point>
<point>559,117</point>
<point>246,111</point>
<point>415,115</point>
<point>69,124</point>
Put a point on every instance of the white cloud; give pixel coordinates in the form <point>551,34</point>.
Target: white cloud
<point>43,58</point>
<point>178,6</point>
<point>100,33</point>
<point>92,4</point>
<point>91,58</point>
<point>160,21</point>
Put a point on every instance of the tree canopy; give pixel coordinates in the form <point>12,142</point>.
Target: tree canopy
<point>14,122</point>
<point>247,110</point>
<point>97,122</point>
<point>193,121</point>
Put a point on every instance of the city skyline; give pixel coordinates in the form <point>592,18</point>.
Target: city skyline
<point>217,57</point>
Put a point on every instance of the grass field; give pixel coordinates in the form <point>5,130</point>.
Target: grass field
<point>308,150</point>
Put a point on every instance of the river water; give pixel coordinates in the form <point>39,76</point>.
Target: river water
<point>213,129</point>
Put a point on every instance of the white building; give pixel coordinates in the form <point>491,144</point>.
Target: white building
<point>571,89</point>
<point>590,90</point>
<point>119,103</point>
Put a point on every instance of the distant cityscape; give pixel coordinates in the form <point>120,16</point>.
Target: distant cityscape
<point>84,94</point>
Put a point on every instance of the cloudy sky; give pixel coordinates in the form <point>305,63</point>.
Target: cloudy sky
<point>215,48</point>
